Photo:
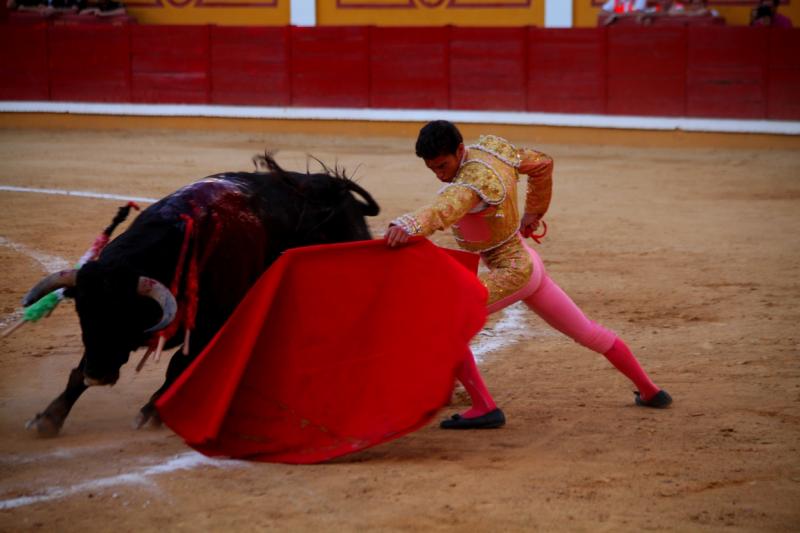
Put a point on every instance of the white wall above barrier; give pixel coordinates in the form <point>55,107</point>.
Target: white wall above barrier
<point>779,127</point>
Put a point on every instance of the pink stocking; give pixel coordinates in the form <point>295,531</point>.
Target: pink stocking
<point>470,377</point>
<point>623,360</point>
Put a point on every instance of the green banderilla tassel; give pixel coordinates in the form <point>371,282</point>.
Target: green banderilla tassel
<point>43,307</point>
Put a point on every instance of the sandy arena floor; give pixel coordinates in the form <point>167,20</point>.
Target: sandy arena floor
<point>691,255</point>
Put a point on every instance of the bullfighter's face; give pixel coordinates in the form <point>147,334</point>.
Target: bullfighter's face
<point>446,166</point>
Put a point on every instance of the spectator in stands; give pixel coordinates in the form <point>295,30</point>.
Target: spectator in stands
<point>624,6</point>
<point>613,10</point>
<point>102,8</point>
<point>766,14</point>
<point>44,7</point>
<point>690,7</point>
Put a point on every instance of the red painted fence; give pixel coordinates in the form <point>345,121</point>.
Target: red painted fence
<point>728,72</point>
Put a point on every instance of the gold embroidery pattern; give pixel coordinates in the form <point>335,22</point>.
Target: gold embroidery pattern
<point>510,268</point>
<point>483,179</point>
<point>408,223</point>
<point>499,148</point>
<point>500,219</point>
<point>449,207</point>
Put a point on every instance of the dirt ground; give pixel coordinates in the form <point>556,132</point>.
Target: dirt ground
<point>691,255</point>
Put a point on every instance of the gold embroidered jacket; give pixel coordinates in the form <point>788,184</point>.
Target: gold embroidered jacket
<point>480,204</point>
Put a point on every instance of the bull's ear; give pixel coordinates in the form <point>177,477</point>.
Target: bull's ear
<point>69,293</point>
<point>370,208</point>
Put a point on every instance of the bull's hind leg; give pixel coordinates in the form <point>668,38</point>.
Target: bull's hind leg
<point>48,423</point>
<point>148,412</point>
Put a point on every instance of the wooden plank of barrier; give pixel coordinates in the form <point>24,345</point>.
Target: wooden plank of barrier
<point>89,62</point>
<point>646,71</point>
<point>23,61</point>
<point>783,76</point>
<point>250,65</point>
<point>487,68</point>
<point>726,72</point>
<point>170,64</point>
<point>566,70</point>
<point>330,66</point>
<point>409,67</point>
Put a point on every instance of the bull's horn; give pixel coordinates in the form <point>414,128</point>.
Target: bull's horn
<point>158,292</point>
<point>57,280</point>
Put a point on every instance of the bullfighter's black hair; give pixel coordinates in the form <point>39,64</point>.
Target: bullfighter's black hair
<point>437,138</point>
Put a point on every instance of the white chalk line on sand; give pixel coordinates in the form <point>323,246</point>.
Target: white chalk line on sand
<point>52,263</point>
<point>185,461</point>
<point>509,330</point>
<point>49,263</point>
<point>81,194</point>
<point>74,452</point>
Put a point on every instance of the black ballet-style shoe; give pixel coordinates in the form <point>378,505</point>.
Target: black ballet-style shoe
<point>661,400</point>
<point>491,420</point>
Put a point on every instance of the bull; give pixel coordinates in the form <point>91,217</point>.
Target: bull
<point>186,262</point>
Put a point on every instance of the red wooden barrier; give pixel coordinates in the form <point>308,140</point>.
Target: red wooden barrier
<point>330,66</point>
<point>567,70</point>
<point>23,62</point>
<point>409,67</point>
<point>646,71</point>
<point>89,62</point>
<point>726,72</point>
<point>250,66</point>
<point>783,76</point>
<point>730,72</point>
<point>487,68</point>
<point>170,64</point>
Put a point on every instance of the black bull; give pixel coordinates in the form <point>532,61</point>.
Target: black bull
<point>241,222</point>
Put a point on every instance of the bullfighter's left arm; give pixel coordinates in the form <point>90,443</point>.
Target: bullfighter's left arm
<point>539,169</point>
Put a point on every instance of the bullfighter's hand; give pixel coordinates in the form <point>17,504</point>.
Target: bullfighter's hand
<point>396,236</point>
<point>529,224</point>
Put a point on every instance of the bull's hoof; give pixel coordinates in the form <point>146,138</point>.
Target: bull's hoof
<point>155,421</point>
<point>44,425</point>
<point>143,418</point>
<point>140,420</point>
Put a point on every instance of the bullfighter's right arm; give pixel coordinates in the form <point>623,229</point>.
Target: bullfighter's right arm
<point>475,183</point>
<point>450,205</point>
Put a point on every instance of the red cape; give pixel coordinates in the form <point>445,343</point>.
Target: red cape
<point>334,349</point>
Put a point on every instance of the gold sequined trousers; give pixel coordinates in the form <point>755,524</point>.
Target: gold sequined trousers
<point>510,269</point>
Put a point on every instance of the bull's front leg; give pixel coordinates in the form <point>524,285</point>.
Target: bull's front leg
<point>48,423</point>
<point>148,412</point>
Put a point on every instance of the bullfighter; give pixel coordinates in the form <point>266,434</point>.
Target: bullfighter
<point>479,203</point>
